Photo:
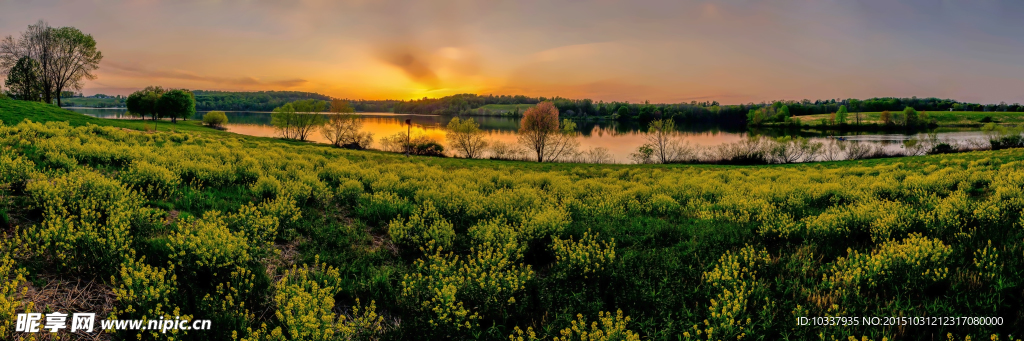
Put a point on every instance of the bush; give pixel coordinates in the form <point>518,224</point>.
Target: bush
<point>216,119</point>
<point>155,181</point>
<point>87,222</point>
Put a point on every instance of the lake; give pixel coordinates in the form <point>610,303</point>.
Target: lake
<point>619,139</point>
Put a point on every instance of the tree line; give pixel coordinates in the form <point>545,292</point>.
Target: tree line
<point>45,62</point>
<point>157,102</point>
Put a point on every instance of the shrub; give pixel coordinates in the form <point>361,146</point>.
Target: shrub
<point>585,258</point>
<point>205,247</point>
<point>304,302</point>
<point>607,328</point>
<point>155,181</point>
<point>426,225</point>
<point>456,291</point>
<point>146,293</point>
<point>906,264</point>
<point>87,222</point>
<point>216,119</point>
<point>382,207</point>
<point>11,279</point>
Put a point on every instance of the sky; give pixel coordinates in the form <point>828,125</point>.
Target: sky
<point>667,51</point>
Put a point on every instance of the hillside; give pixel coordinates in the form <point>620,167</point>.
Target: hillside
<point>270,238</point>
<point>250,101</point>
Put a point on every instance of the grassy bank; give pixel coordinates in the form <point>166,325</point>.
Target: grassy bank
<point>271,238</point>
<point>92,102</point>
<point>942,118</point>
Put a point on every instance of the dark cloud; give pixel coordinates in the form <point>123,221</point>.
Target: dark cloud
<point>135,70</point>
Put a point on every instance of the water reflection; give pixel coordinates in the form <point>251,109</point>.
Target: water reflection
<point>620,139</point>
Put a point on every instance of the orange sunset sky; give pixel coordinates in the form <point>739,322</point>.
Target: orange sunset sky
<point>662,51</point>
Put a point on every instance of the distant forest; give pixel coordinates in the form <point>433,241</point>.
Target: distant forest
<point>707,111</point>
<point>471,104</point>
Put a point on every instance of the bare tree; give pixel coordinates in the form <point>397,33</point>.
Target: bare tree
<point>833,150</point>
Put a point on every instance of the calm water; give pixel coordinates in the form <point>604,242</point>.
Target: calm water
<point>620,139</point>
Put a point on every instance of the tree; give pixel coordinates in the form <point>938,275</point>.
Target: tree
<point>74,57</point>
<point>784,113</point>
<point>35,43</point>
<point>660,138</point>
<point>885,117</point>
<point>65,56</point>
<point>644,155</point>
<point>910,115</point>
<point>855,105</point>
<point>177,103</point>
<point>144,102</point>
<point>215,119</point>
<point>298,119</point>
<point>841,114</point>
<point>341,106</point>
<point>623,112</point>
<point>24,80</point>
<point>342,130</point>
<point>466,137</point>
<point>539,132</point>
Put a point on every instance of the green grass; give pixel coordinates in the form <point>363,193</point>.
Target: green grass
<point>942,118</point>
<point>500,108</point>
<point>92,102</point>
<point>12,112</point>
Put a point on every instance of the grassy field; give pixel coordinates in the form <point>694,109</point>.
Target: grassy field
<point>943,118</point>
<point>13,112</point>
<point>92,102</point>
<point>286,241</point>
<point>497,109</point>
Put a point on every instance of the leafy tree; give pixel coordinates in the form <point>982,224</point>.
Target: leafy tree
<point>66,56</point>
<point>341,106</point>
<point>24,80</point>
<point>466,137</point>
<point>783,112</point>
<point>841,114</point>
<point>757,116</point>
<point>855,105</point>
<point>75,57</point>
<point>644,155</point>
<point>177,103</point>
<point>144,102</point>
<point>297,120</point>
<point>539,132</point>
<point>215,119</point>
<point>910,115</point>
<point>623,112</point>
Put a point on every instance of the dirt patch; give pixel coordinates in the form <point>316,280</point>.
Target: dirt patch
<point>172,216</point>
<point>70,296</point>
<point>285,257</point>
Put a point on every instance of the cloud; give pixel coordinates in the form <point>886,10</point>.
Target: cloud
<point>413,61</point>
<point>137,71</point>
